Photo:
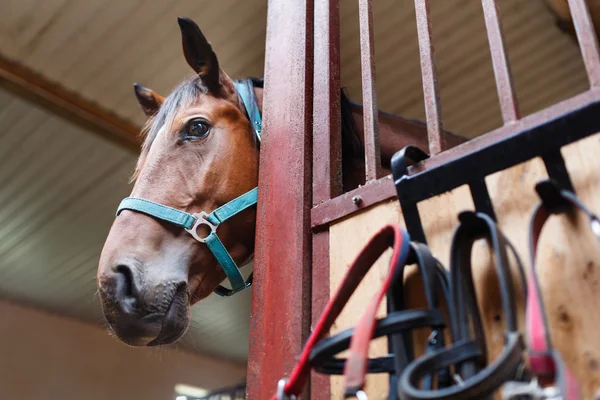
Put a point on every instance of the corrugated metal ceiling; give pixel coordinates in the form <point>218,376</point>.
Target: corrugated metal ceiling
<point>59,185</point>
<point>59,188</point>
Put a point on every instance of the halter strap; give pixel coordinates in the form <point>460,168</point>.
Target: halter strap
<point>245,90</point>
<point>191,222</point>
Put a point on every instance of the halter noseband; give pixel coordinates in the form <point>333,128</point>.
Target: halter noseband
<point>191,222</point>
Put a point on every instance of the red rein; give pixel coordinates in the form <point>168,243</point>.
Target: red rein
<point>355,369</point>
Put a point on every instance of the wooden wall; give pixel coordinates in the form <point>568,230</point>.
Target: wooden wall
<point>568,265</point>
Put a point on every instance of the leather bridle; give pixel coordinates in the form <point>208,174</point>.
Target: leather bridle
<point>398,324</point>
<point>545,363</point>
<point>389,236</point>
<point>468,352</point>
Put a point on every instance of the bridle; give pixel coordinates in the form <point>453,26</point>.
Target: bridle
<point>212,220</point>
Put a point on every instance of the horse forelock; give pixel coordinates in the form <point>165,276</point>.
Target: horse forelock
<point>183,96</point>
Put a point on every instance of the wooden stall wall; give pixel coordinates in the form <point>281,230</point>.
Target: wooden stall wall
<point>568,263</point>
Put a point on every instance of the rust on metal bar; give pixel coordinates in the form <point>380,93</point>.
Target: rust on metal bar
<point>31,86</point>
<point>529,122</point>
<point>320,384</point>
<point>588,41</point>
<point>353,201</point>
<point>369,92</point>
<point>327,156</point>
<point>504,83</point>
<point>433,108</point>
<point>383,189</point>
<point>281,299</point>
<point>327,136</point>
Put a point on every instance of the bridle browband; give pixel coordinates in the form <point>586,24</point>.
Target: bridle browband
<point>212,220</point>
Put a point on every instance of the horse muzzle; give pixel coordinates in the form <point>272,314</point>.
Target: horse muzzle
<point>142,314</point>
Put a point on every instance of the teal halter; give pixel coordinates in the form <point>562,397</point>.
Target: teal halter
<point>191,222</point>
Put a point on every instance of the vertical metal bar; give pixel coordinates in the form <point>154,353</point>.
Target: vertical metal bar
<point>369,91</point>
<point>327,137</point>
<point>504,83</point>
<point>280,318</point>
<point>320,384</point>
<point>588,41</point>
<point>327,156</point>
<point>433,108</point>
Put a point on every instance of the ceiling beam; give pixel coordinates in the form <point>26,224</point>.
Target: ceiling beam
<point>51,96</point>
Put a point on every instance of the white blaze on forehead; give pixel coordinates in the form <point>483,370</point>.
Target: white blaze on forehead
<point>158,144</point>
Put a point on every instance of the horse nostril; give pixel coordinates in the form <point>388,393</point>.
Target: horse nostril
<point>125,288</point>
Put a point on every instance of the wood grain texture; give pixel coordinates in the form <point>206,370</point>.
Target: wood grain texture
<point>568,263</point>
<point>346,239</point>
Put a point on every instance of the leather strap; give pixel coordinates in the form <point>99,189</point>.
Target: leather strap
<point>546,363</point>
<point>478,386</point>
<point>322,356</point>
<point>245,90</point>
<point>388,236</point>
<point>468,353</point>
<point>190,223</point>
<point>156,210</point>
<point>430,270</point>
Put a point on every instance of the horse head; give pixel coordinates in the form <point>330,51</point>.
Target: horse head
<point>200,153</point>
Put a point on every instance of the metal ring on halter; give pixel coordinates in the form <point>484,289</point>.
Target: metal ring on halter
<point>281,391</point>
<point>201,219</point>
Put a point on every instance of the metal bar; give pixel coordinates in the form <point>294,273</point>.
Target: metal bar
<point>504,83</point>
<point>546,137</point>
<point>433,108</point>
<point>327,136</point>
<point>67,104</point>
<point>382,190</point>
<point>557,170</point>
<point>369,91</point>
<point>281,297</point>
<point>327,156</point>
<point>353,201</point>
<point>481,198</point>
<point>320,384</point>
<point>588,40</point>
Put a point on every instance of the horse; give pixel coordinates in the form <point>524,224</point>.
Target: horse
<point>198,169</point>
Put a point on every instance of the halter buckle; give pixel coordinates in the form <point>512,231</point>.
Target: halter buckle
<point>201,219</point>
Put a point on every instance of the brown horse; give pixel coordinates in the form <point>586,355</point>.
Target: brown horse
<point>200,152</point>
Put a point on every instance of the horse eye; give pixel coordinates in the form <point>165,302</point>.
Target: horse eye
<point>196,129</point>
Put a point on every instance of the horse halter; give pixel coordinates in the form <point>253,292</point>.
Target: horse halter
<point>212,220</point>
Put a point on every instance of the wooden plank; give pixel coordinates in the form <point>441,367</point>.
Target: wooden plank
<point>280,318</point>
<point>51,96</point>
<point>568,267</point>
<point>346,238</point>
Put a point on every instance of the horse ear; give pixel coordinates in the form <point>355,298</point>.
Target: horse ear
<point>148,99</point>
<point>199,53</point>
